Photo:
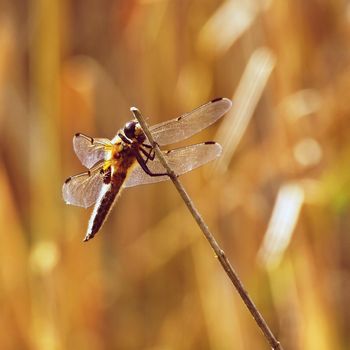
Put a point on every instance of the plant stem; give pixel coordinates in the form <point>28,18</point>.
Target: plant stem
<point>220,254</point>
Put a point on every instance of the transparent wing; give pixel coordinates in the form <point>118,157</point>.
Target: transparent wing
<point>185,126</point>
<point>181,160</point>
<point>83,189</point>
<point>89,150</point>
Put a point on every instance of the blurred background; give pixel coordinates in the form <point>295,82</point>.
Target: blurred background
<point>277,200</point>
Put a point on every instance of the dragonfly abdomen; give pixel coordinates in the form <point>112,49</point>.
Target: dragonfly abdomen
<point>101,209</point>
<point>113,181</point>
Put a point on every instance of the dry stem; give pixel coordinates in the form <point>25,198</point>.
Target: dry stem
<point>275,344</point>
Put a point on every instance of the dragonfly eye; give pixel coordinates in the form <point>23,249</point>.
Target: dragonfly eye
<point>129,130</point>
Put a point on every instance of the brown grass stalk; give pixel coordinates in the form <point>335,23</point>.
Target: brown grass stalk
<point>220,254</point>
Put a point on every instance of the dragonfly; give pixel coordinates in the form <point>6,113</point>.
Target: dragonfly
<point>129,159</point>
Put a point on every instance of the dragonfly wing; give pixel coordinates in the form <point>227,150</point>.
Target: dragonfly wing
<point>185,126</point>
<point>89,150</point>
<point>83,189</point>
<point>181,160</point>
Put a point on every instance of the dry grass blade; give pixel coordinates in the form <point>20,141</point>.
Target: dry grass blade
<point>247,95</point>
<point>282,223</point>
<point>236,17</point>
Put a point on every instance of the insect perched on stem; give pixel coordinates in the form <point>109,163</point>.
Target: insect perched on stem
<point>129,160</point>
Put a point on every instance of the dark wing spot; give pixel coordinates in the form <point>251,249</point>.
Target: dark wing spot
<point>167,152</point>
<point>210,143</point>
<point>79,134</point>
<point>70,178</point>
<point>179,118</point>
<point>216,99</point>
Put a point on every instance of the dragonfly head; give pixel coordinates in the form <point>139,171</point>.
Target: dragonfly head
<point>133,131</point>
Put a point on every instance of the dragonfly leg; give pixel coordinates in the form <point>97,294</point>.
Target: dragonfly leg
<point>149,155</point>
<point>145,168</point>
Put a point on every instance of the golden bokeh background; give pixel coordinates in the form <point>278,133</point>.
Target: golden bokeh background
<point>277,201</point>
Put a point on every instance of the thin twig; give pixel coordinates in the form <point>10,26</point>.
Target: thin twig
<point>275,344</point>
